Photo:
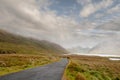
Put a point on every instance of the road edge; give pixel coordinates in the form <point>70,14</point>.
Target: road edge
<point>64,73</point>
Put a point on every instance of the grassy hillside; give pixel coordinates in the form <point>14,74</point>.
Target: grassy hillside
<point>92,68</point>
<point>17,44</point>
<point>18,53</point>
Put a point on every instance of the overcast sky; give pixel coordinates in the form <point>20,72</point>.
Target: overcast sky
<point>85,23</point>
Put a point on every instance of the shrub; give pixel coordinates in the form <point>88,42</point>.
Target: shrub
<point>117,78</point>
<point>79,77</point>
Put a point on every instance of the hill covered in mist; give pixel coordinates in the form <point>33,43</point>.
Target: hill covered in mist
<point>11,43</point>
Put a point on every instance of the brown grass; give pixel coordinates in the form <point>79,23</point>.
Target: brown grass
<point>79,77</point>
<point>93,68</point>
<point>16,62</point>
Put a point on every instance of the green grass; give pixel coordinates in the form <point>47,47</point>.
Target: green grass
<point>22,45</point>
<point>20,48</point>
<point>19,53</point>
<point>92,68</point>
<point>17,57</point>
<point>10,63</point>
<point>25,56</point>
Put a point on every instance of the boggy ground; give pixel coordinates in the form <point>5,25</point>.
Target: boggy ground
<point>92,68</point>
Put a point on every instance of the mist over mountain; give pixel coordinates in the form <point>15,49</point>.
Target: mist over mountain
<point>83,34</point>
<point>113,25</point>
<point>72,23</point>
<point>79,49</point>
<point>19,44</point>
<point>107,47</point>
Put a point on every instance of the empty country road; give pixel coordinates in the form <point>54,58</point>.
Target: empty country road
<point>52,71</point>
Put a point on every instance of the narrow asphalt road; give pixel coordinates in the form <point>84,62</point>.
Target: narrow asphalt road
<point>52,71</point>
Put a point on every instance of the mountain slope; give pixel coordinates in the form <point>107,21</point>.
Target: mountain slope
<point>113,25</point>
<point>107,47</point>
<point>10,43</point>
<point>79,49</point>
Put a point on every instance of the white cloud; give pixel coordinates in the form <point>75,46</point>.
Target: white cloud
<point>87,10</point>
<point>99,15</point>
<point>114,9</point>
<point>29,19</point>
<point>83,2</point>
<point>106,48</point>
<point>91,8</point>
<point>35,19</point>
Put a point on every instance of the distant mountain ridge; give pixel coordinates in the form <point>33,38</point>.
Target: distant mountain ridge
<point>112,26</point>
<point>9,41</point>
<point>79,49</point>
<point>107,47</point>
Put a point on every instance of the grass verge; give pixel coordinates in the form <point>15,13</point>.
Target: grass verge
<point>10,63</point>
<point>92,68</point>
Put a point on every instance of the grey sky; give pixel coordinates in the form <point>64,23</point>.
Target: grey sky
<point>70,23</point>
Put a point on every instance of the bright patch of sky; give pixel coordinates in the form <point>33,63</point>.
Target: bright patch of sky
<point>88,9</point>
<point>70,23</point>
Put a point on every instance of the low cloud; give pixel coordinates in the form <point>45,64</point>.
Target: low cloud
<point>28,19</point>
<point>91,7</point>
<point>35,18</point>
<point>114,9</point>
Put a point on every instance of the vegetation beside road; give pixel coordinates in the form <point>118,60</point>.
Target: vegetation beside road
<point>19,53</point>
<point>10,63</point>
<point>92,68</point>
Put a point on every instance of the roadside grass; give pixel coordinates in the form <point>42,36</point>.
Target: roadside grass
<point>21,48</point>
<point>92,68</point>
<point>10,63</point>
<point>18,53</point>
<point>17,57</point>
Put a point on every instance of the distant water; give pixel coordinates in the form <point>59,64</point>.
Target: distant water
<point>101,55</point>
<point>114,59</point>
<point>111,57</point>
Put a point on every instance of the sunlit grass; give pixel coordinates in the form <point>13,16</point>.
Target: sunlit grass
<point>20,48</point>
<point>92,68</point>
<point>10,63</point>
<point>18,53</point>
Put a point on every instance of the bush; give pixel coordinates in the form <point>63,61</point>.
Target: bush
<point>117,78</point>
<point>79,77</point>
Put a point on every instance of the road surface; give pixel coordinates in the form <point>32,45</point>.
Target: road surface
<point>52,71</point>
